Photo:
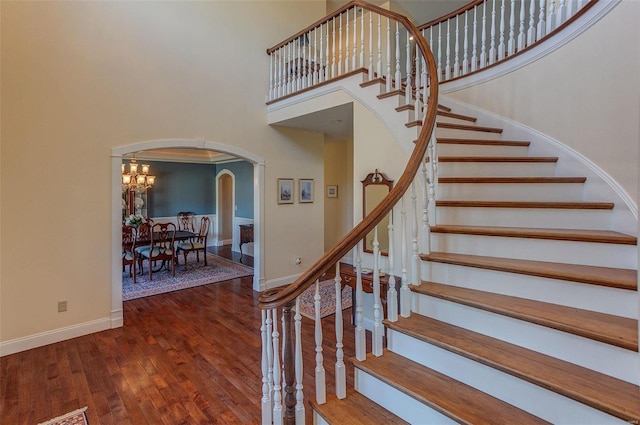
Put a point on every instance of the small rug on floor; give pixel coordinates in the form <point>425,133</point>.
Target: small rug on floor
<point>218,269</point>
<point>77,417</point>
<point>327,299</point>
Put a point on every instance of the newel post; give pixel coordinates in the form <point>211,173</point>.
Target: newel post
<point>288,365</point>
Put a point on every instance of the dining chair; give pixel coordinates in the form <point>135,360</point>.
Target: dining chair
<point>162,247</point>
<point>128,253</point>
<point>187,221</point>
<point>143,242</point>
<point>197,243</point>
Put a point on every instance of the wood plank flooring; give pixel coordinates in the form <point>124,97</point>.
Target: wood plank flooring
<point>186,357</point>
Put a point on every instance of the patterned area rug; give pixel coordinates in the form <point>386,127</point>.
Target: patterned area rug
<point>77,417</point>
<point>327,299</point>
<point>217,270</point>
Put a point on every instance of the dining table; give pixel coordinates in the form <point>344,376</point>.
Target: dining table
<point>180,235</point>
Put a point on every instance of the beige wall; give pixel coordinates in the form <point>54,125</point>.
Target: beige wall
<point>585,95</point>
<point>338,170</point>
<point>79,78</point>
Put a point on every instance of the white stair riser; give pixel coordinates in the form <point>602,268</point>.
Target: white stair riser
<point>455,149</point>
<point>319,420</point>
<point>602,299</point>
<point>467,134</point>
<point>396,401</point>
<point>536,400</point>
<point>452,120</point>
<point>525,217</point>
<point>604,358</point>
<point>570,252</point>
<point>561,192</point>
<point>496,169</point>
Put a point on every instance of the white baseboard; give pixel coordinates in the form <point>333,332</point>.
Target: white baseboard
<point>53,336</point>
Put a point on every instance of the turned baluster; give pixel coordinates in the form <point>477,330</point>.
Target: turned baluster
<point>405,293</point>
<point>456,50</point>
<point>378,329</point>
<point>492,42</point>
<point>398,76</point>
<point>321,388</point>
<point>288,361</point>
<point>361,347</point>
<point>341,371</point>
<point>300,411</point>
<point>392,294</point>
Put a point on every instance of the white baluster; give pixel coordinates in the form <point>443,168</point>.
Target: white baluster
<point>474,49</point>
<point>531,32</point>
<point>439,58</point>
<point>426,182</point>
<point>318,75</point>
<point>354,57</point>
<point>270,354</point>
<point>333,49</point>
<point>266,393</point>
<point>502,46</point>
<point>562,10</point>
<point>417,108</point>
<point>326,56</point>
<point>280,72</point>
<point>361,342</point>
<point>579,5</point>
<point>398,76</point>
<point>541,22</point>
<point>456,50</point>
<point>408,91</point>
<point>378,329</point>
<point>511,46</point>
<point>483,48</point>
<point>425,87</point>
<point>299,69</point>
<point>492,42</point>
<point>370,46</point>
<point>433,154</point>
<point>362,38</point>
<point>392,294</point>
<point>448,52</point>
<point>415,248</point>
<point>551,19</point>
<point>305,63</point>
<point>388,82</point>
<point>346,50</point>
<point>321,387</point>
<point>270,95</point>
<point>465,48</point>
<point>522,39</point>
<point>300,411</point>
<point>277,373</point>
<point>405,292</point>
<point>569,10</point>
<point>288,70</point>
<point>379,62</point>
<point>341,371</point>
<point>311,74</point>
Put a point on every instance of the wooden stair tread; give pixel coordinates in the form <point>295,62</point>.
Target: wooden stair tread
<point>391,94</point>
<point>578,235</point>
<point>610,395</point>
<point>405,107</point>
<point>452,398</point>
<point>527,204</point>
<point>488,142</point>
<point>356,409</point>
<point>606,328</point>
<point>456,116</point>
<point>497,159</point>
<point>468,127</point>
<point>603,276</point>
<point>511,180</point>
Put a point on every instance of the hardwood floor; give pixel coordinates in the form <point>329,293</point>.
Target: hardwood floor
<point>186,357</point>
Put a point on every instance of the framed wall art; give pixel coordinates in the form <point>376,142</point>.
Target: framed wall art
<point>305,190</point>
<point>285,191</point>
<point>332,191</point>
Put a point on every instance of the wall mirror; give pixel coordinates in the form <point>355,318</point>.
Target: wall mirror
<point>374,188</point>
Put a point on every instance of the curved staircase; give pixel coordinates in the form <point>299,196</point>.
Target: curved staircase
<point>527,310</point>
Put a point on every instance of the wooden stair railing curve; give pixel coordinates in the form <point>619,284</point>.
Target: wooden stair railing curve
<point>286,296</point>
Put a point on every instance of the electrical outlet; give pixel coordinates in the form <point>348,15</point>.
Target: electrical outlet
<point>62,306</point>
<point>297,260</point>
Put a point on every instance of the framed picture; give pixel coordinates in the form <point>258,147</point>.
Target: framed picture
<point>305,190</point>
<point>332,191</point>
<point>285,191</point>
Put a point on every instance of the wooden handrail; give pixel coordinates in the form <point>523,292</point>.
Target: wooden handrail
<point>286,296</point>
<point>316,24</point>
<point>448,16</point>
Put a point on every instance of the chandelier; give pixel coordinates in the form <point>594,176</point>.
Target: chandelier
<point>136,181</point>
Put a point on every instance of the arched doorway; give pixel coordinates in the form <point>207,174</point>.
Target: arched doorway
<point>116,208</point>
<point>225,206</point>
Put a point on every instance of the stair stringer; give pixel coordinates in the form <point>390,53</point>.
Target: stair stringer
<point>599,185</point>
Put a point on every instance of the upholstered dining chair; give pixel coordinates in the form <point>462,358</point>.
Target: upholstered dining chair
<point>143,241</point>
<point>197,243</point>
<point>162,247</point>
<point>128,253</point>
<point>186,221</point>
